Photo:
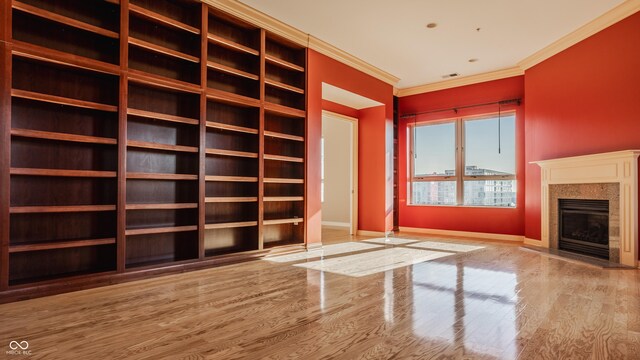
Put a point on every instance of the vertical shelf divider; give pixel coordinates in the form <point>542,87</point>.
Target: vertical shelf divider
<point>204,45</point>
<point>121,239</point>
<point>305,212</point>
<point>142,138</point>
<point>263,42</point>
<point>5,139</point>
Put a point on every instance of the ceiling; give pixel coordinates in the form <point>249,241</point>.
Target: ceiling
<point>392,35</point>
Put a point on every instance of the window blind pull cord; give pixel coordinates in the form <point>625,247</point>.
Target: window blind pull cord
<point>499,137</point>
<point>415,138</point>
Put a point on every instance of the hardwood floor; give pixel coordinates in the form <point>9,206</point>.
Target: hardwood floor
<point>476,300</point>
<point>335,235</point>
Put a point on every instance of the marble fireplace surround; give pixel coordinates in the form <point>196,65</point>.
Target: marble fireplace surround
<point>608,176</point>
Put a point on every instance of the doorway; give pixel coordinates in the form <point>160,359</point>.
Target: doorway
<point>339,191</point>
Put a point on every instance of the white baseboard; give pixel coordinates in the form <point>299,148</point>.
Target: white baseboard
<point>532,242</point>
<point>471,234</point>
<point>336,224</point>
<point>372,233</point>
<point>314,246</point>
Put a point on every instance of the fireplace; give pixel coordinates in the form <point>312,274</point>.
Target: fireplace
<point>584,226</point>
<point>608,176</point>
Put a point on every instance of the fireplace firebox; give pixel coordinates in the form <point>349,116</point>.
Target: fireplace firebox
<point>584,227</point>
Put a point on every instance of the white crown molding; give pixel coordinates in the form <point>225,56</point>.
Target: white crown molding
<point>344,57</point>
<point>626,9</point>
<point>620,12</point>
<point>462,81</point>
<point>258,18</point>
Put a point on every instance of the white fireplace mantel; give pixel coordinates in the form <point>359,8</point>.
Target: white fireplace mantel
<point>614,167</point>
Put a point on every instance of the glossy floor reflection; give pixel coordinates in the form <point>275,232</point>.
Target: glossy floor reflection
<point>480,300</point>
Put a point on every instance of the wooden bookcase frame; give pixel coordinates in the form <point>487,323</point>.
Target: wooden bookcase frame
<point>265,74</point>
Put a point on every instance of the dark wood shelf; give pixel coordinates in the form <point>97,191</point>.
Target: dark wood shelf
<point>283,136</point>
<point>229,199</point>
<point>230,225</point>
<point>51,16</point>
<point>231,98</point>
<point>63,173</point>
<point>162,50</point>
<point>160,230</point>
<point>229,44</point>
<point>26,50</point>
<point>232,71</point>
<point>283,158</point>
<point>175,206</point>
<point>160,116</point>
<point>248,179</point>
<point>283,181</point>
<point>283,110</point>
<point>283,198</point>
<point>282,63</point>
<point>163,147</point>
<point>47,135</point>
<point>24,247</point>
<point>60,209</point>
<point>231,153</point>
<point>161,19</point>
<point>283,86</point>
<point>179,119</point>
<point>217,125</point>
<point>159,176</point>
<point>30,95</point>
<point>145,78</point>
<point>283,221</point>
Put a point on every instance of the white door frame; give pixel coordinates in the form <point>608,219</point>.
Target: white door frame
<point>354,170</point>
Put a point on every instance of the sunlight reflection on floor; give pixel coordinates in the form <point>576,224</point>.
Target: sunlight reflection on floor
<point>374,261</point>
<point>328,250</point>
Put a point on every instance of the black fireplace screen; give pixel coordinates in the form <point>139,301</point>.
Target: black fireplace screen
<point>584,226</point>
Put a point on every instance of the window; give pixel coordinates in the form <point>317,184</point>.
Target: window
<point>481,172</point>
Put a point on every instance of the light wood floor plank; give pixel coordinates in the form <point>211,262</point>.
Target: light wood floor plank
<point>482,300</point>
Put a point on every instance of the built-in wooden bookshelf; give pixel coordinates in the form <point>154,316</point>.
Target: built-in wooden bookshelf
<point>142,137</point>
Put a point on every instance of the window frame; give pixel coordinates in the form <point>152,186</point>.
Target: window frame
<point>460,177</point>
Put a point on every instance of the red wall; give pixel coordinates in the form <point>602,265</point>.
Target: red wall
<point>581,101</point>
<point>372,182</point>
<point>475,219</point>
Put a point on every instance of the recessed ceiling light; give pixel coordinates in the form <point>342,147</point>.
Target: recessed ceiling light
<point>473,60</point>
<point>431,25</point>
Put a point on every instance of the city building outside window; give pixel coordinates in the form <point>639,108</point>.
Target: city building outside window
<point>468,161</point>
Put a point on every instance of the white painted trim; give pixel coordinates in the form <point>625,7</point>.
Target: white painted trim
<point>532,242</point>
<point>470,234</point>
<point>354,170</point>
<point>625,9</point>
<point>462,81</point>
<point>619,167</point>
<point>258,18</point>
<point>620,12</point>
<point>314,246</point>
<point>338,116</point>
<point>336,224</point>
<point>372,233</point>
